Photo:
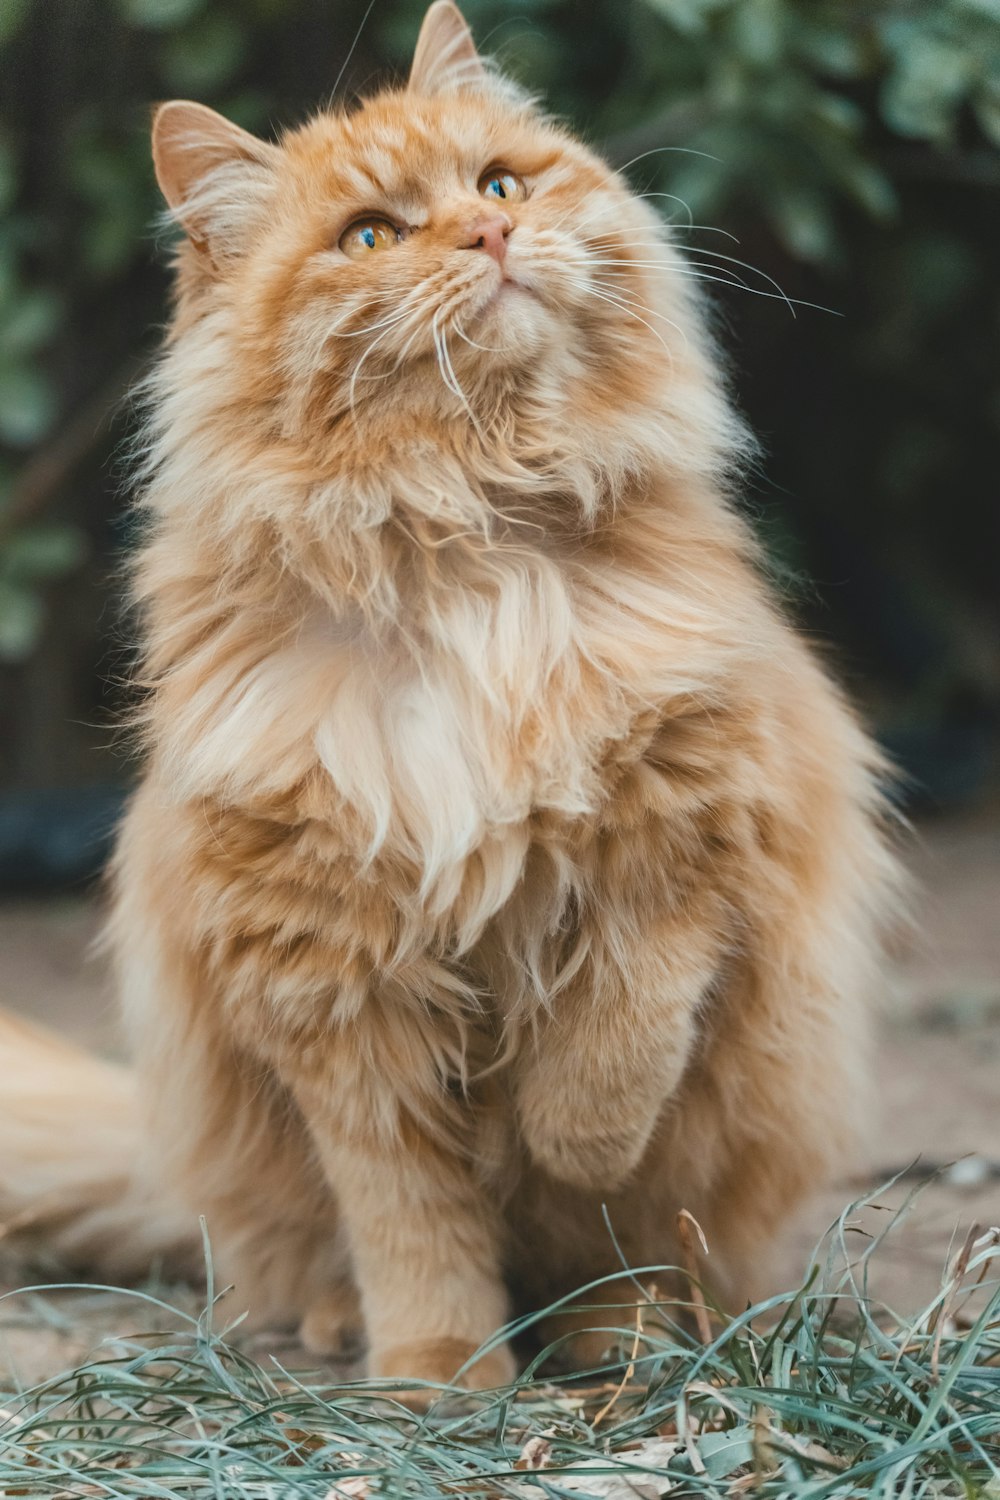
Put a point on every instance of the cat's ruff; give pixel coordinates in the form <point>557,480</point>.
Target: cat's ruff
<point>501,851</point>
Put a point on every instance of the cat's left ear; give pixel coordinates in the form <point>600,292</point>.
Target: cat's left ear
<point>445,58</point>
<point>218,180</point>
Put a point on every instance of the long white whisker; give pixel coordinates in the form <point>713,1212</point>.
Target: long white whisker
<point>393,320</point>
<point>671,228</point>
<point>412,312</point>
<point>448,370</point>
<point>603,296</point>
<point>350,53</point>
<point>439,352</point>
<point>604,208</point>
<point>681,269</point>
<point>691,267</point>
<point>396,316</point>
<point>735,261</point>
<point>660,150</point>
<point>614,291</point>
<point>483,348</point>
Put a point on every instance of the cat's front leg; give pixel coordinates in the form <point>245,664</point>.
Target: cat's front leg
<point>423,1233</point>
<point>603,1061</point>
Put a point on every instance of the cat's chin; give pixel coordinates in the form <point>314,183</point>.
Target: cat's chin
<point>510,288</point>
<point>513,322</point>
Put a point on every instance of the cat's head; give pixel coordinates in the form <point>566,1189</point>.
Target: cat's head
<point>442,248</point>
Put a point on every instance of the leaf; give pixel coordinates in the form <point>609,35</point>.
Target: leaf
<point>703,184</point>
<point>160,15</point>
<point>803,219</point>
<point>12,14</point>
<point>688,16</point>
<point>921,95</point>
<point>354,1487</point>
<point>833,49</point>
<point>724,1452</point>
<point>27,405</point>
<point>30,323</point>
<point>637,1474</point>
<point>203,58</point>
<point>986,106</point>
<point>112,241</point>
<point>22,615</point>
<point>758,32</point>
<point>871,188</point>
<point>844,115</point>
<point>8,173</point>
<point>988,8</point>
<point>42,552</point>
<point>535,1454</point>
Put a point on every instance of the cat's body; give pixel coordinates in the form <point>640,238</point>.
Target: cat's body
<point>501,851</point>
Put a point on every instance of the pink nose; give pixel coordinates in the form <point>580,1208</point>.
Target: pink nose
<point>489,232</point>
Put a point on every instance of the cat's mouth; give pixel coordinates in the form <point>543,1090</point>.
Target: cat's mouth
<point>507,287</point>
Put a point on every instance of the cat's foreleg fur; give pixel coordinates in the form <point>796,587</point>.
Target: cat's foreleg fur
<point>424,1233</point>
<point>218,1131</point>
<point>613,1046</point>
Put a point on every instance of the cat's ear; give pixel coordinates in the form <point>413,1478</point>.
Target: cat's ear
<point>218,180</point>
<point>445,58</point>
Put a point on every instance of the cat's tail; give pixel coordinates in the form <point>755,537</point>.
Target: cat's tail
<point>71,1182</point>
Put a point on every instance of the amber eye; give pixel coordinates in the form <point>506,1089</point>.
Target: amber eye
<point>501,184</point>
<point>367,235</point>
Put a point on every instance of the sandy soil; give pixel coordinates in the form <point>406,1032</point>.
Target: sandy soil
<point>938,1086</point>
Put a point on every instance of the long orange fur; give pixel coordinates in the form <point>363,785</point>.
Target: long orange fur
<point>501,850</point>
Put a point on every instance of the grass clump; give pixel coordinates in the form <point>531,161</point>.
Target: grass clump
<point>817,1393</point>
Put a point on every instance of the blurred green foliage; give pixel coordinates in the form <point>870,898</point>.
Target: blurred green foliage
<point>852,148</point>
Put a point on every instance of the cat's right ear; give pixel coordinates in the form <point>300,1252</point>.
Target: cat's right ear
<point>218,180</point>
<point>445,58</point>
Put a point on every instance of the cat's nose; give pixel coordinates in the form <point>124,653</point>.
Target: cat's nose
<point>489,232</point>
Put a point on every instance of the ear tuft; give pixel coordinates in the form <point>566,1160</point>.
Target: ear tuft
<point>445,58</point>
<point>217,179</point>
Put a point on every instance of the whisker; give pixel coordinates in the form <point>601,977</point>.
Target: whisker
<point>448,370</point>
<point>366,355</point>
<point>675,199</point>
<point>690,267</point>
<point>396,316</point>
<point>724,278</point>
<point>670,228</point>
<point>735,261</point>
<point>394,319</point>
<point>660,150</point>
<point>483,348</point>
<point>616,291</point>
<point>350,53</point>
<point>603,296</point>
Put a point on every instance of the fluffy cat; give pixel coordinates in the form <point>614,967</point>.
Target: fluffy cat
<point>501,851</point>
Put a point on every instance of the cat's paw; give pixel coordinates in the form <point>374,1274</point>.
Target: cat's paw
<point>600,1332</point>
<point>442,1362</point>
<point>586,1131</point>
<point>333,1325</point>
<point>603,1156</point>
<point>584,1348</point>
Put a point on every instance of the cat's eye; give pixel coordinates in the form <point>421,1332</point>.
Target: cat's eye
<point>505,186</point>
<point>366,236</point>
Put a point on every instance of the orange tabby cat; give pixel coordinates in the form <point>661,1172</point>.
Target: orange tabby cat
<point>501,851</point>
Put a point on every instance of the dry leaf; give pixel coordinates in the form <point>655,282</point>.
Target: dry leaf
<point>354,1487</point>
<point>535,1454</point>
<point>614,1478</point>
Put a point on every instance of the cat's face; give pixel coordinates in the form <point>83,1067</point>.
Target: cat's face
<point>456,231</point>
<point>443,243</point>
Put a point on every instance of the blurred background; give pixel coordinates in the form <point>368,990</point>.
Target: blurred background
<point>838,154</point>
<point>851,150</point>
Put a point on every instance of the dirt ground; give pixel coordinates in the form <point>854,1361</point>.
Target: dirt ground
<point>938,1076</point>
